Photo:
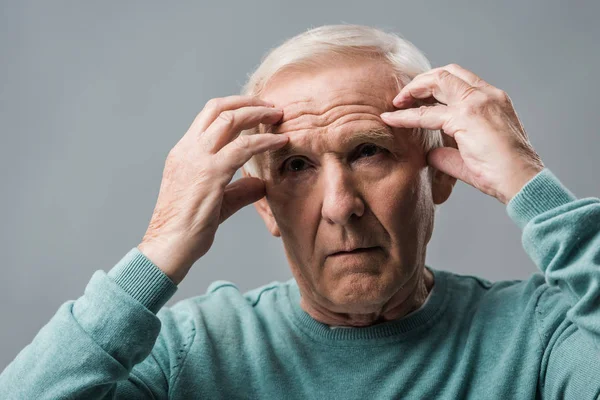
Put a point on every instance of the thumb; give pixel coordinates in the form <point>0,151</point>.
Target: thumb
<point>239,194</point>
<point>449,161</point>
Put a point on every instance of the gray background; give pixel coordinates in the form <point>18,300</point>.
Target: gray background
<point>95,94</point>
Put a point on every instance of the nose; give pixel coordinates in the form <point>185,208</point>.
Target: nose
<point>341,198</point>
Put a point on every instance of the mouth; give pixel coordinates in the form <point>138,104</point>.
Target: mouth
<point>357,251</point>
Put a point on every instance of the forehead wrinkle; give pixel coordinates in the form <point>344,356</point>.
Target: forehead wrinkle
<point>314,120</point>
<point>299,111</point>
<point>340,121</point>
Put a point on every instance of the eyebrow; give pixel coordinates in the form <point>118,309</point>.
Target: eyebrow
<point>379,135</point>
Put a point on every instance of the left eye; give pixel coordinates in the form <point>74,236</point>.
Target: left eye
<point>368,150</point>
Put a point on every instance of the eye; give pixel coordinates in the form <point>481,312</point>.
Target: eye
<point>368,150</point>
<point>294,164</point>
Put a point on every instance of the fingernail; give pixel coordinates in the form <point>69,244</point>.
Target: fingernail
<point>386,115</point>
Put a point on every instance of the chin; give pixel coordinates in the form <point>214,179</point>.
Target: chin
<point>360,292</point>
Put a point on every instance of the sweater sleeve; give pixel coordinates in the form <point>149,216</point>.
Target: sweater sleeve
<point>561,234</point>
<point>99,346</point>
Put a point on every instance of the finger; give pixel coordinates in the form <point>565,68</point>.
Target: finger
<point>465,75</point>
<point>440,84</point>
<point>449,161</point>
<point>427,117</point>
<point>216,106</point>
<point>229,124</point>
<point>238,152</point>
<point>239,194</point>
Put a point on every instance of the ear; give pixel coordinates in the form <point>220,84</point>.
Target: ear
<point>264,210</point>
<point>441,186</point>
<point>442,183</point>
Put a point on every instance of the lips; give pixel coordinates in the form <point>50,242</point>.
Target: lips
<point>357,250</point>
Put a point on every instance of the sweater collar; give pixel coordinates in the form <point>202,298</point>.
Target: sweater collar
<point>427,314</point>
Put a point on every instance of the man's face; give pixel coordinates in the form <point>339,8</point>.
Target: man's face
<point>350,196</point>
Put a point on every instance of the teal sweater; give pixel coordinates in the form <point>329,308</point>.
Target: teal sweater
<point>519,339</point>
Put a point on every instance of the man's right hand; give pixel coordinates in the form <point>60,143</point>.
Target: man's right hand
<point>195,193</point>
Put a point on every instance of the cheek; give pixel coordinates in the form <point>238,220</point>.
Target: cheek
<point>391,199</point>
<point>401,202</point>
<point>297,217</point>
<point>296,211</point>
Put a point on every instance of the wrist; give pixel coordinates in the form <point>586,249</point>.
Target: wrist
<point>167,260</point>
<point>517,181</point>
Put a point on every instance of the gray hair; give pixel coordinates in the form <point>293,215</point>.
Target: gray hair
<point>315,46</point>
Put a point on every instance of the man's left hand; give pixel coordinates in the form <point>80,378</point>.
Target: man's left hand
<point>494,154</point>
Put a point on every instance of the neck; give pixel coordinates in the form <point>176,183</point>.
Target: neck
<point>409,298</point>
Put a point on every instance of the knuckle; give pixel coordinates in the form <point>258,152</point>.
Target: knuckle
<point>207,144</point>
<point>227,117</point>
<point>422,111</point>
<point>478,82</point>
<point>467,110</point>
<point>487,99</point>
<point>441,74</point>
<point>453,66</point>
<point>213,104</point>
<point>171,157</point>
<point>501,96</point>
<point>243,142</point>
<point>174,153</point>
<point>470,93</point>
<point>223,168</point>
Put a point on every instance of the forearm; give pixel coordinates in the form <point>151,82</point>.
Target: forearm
<point>562,236</point>
<point>90,346</point>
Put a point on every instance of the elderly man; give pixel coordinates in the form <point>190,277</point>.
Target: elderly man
<point>348,141</point>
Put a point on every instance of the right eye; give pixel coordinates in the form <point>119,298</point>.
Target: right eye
<point>294,164</point>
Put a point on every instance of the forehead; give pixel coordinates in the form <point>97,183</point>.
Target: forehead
<point>332,109</point>
<point>332,95</point>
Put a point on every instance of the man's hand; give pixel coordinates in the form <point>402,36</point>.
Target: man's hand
<point>494,154</point>
<point>195,194</point>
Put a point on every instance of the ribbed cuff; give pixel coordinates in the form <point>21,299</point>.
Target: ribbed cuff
<point>542,193</point>
<point>143,280</point>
